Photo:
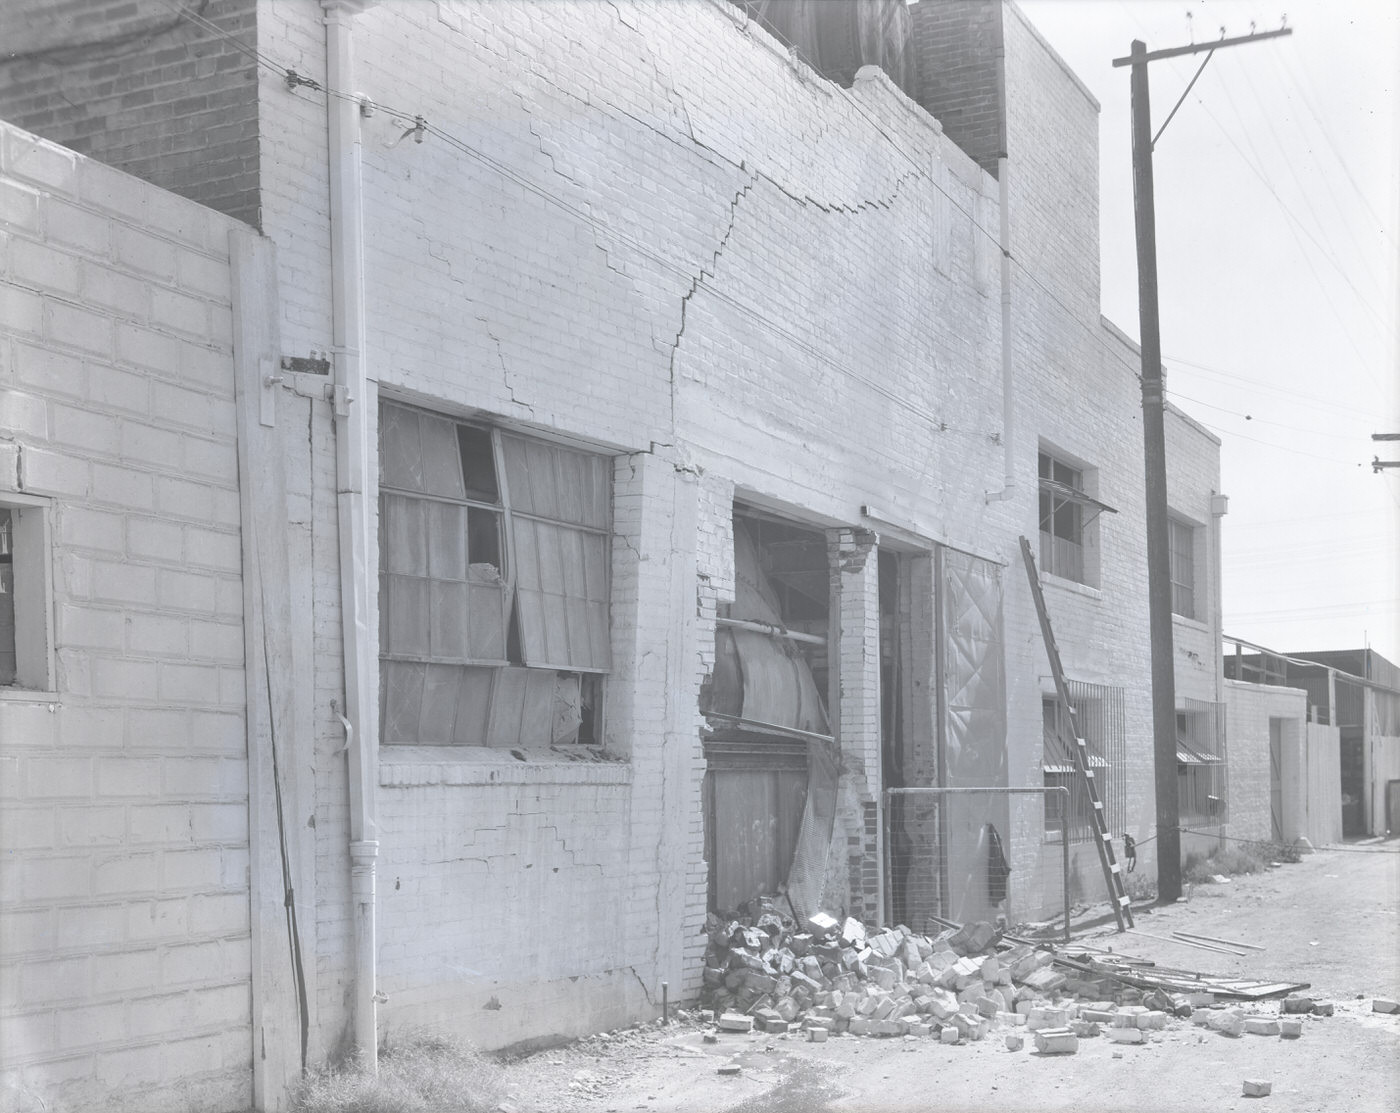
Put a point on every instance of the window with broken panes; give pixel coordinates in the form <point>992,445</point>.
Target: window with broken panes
<point>1182,538</point>
<point>1061,518</point>
<point>493,584</point>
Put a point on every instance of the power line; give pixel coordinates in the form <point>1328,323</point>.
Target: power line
<point>1311,431</point>
<point>1254,384</point>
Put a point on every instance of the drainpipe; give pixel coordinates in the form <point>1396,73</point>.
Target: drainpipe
<point>1008,381</point>
<point>353,422</point>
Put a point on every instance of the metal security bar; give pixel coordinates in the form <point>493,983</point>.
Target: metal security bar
<point>937,866</point>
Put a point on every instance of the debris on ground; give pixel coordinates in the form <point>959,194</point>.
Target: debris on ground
<point>771,974</point>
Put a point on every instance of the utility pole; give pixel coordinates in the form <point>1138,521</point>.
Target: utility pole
<point>1159,587</point>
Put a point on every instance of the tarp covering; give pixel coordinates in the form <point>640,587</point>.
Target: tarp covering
<point>974,691</point>
<point>763,677</point>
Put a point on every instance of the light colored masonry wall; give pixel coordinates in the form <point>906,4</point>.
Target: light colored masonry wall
<point>645,226</point>
<point>125,934</point>
<point>1249,707</point>
<point>1193,476</point>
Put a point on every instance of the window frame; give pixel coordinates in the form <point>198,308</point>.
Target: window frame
<point>512,701</point>
<point>1182,560</point>
<point>1202,765</point>
<point>31,564</point>
<point>1066,488</point>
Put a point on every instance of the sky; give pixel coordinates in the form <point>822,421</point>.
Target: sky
<point>1277,188</point>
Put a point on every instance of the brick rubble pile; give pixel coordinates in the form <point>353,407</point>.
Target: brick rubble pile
<point>824,977</point>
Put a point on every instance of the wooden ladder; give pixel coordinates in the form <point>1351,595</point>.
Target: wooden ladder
<point>1113,875</point>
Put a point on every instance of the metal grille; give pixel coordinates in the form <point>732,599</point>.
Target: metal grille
<point>934,871</point>
<point>1099,719</point>
<point>1202,763</point>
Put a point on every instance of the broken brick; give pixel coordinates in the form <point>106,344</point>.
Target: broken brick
<point>1056,1041</point>
<point>1257,1088</point>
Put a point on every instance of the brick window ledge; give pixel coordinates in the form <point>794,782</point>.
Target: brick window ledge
<point>407,766</point>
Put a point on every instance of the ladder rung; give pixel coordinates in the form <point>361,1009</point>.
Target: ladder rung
<point>1123,899</point>
<point>1098,804</point>
<point>1113,866</point>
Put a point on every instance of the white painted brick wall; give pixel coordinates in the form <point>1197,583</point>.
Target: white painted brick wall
<point>124,947</point>
<point>664,237</point>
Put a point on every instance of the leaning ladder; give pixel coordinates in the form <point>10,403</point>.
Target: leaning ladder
<point>1113,875</point>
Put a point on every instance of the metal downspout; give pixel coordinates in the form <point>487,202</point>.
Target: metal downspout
<point>353,424</point>
<point>1008,375</point>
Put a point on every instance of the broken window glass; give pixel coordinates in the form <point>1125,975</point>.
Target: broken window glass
<point>494,554</point>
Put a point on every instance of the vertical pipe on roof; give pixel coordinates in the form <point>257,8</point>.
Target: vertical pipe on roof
<point>353,424</point>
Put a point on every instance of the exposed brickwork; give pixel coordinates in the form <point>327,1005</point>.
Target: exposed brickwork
<point>125,933</point>
<point>141,88</point>
<point>955,44</point>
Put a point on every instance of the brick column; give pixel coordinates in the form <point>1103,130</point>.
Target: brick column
<point>855,705</point>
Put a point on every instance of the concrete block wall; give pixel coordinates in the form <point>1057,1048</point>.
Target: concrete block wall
<point>124,946</point>
<point>142,87</point>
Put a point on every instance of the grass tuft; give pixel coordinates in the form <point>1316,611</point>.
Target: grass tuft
<point>1235,859</point>
<point>424,1073</point>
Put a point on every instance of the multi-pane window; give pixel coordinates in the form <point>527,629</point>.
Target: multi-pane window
<point>1182,538</point>
<point>1201,766</point>
<point>1098,719</point>
<point>26,637</point>
<point>1061,519</point>
<point>493,584</point>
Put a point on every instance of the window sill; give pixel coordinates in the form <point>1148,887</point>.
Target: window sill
<point>407,766</point>
<point>28,695</point>
<point>1049,579</point>
<point>1190,623</point>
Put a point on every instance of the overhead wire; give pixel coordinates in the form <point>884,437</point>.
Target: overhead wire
<point>689,275</point>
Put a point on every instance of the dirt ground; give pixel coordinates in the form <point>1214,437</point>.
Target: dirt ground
<point>1329,920</point>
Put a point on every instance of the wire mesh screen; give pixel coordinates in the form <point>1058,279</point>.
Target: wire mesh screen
<point>935,869</point>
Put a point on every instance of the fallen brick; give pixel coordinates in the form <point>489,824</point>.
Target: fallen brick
<point>1323,1008</point>
<point>1096,1015</point>
<point>1257,1088</point>
<point>1290,1028</point>
<point>1084,1028</point>
<point>1296,1004</point>
<point>1261,1026</point>
<point>817,1035</point>
<point>1056,1041</point>
<point>730,1068</point>
<point>1044,1017</point>
<point>1227,1023</point>
<point>1384,1005</point>
<point>1015,1043</point>
<point>1152,1019</point>
<point>734,1022</point>
<point>1125,1035</point>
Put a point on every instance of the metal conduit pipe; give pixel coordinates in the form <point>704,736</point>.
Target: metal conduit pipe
<point>1008,376</point>
<point>354,421</point>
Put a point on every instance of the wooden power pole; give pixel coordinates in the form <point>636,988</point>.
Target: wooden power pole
<point>1159,588</point>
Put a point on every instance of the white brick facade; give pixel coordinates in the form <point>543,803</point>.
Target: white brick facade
<point>644,228</point>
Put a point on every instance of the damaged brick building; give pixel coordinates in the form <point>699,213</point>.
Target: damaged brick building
<point>520,477</point>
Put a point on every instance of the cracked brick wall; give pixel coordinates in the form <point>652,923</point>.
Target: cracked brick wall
<point>124,939</point>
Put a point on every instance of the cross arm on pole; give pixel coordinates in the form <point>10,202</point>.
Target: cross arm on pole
<point>1196,48</point>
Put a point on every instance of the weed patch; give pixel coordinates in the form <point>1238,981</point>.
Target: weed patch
<point>421,1073</point>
